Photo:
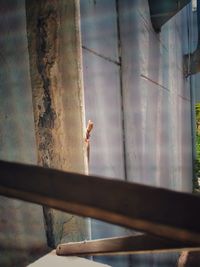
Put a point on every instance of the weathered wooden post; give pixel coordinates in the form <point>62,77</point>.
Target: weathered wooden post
<point>56,76</point>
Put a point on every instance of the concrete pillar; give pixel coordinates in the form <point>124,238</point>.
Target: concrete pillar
<point>58,102</point>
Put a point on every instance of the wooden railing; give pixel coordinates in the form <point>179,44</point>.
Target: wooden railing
<point>169,219</point>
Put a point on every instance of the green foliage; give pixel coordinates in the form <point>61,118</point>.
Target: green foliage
<point>197,147</point>
<point>196,185</point>
<point>197,108</point>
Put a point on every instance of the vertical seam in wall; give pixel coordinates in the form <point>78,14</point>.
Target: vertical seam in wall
<point>121,89</point>
<point>192,100</point>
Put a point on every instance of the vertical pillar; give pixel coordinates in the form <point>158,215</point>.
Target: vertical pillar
<point>56,75</point>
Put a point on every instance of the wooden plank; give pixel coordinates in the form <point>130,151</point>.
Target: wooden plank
<point>52,259</point>
<point>53,32</point>
<point>139,243</point>
<point>160,212</point>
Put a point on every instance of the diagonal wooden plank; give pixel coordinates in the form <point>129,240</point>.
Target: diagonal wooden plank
<point>140,243</point>
<point>153,210</point>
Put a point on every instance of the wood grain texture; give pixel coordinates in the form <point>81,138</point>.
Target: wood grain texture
<point>160,212</point>
<point>58,104</point>
<point>139,243</point>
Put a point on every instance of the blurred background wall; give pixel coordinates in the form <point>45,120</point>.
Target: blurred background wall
<point>139,100</point>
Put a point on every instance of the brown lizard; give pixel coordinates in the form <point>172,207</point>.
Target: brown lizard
<point>87,137</point>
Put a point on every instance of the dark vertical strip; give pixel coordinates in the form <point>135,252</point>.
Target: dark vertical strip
<point>192,93</point>
<point>129,257</point>
<point>121,89</point>
<point>198,22</point>
<point>48,223</point>
<point>44,120</point>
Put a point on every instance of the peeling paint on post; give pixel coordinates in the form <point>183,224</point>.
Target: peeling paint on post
<point>58,102</point>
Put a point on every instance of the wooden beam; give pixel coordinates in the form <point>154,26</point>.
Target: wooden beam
<point>53,32</point>
<point>139,243</point>
<point>159,212</point>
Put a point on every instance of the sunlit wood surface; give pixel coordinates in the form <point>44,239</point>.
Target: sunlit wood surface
<point>139,243</point>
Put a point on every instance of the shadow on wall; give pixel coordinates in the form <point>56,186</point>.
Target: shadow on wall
<point>20,257</point>
<point>22,236</point>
